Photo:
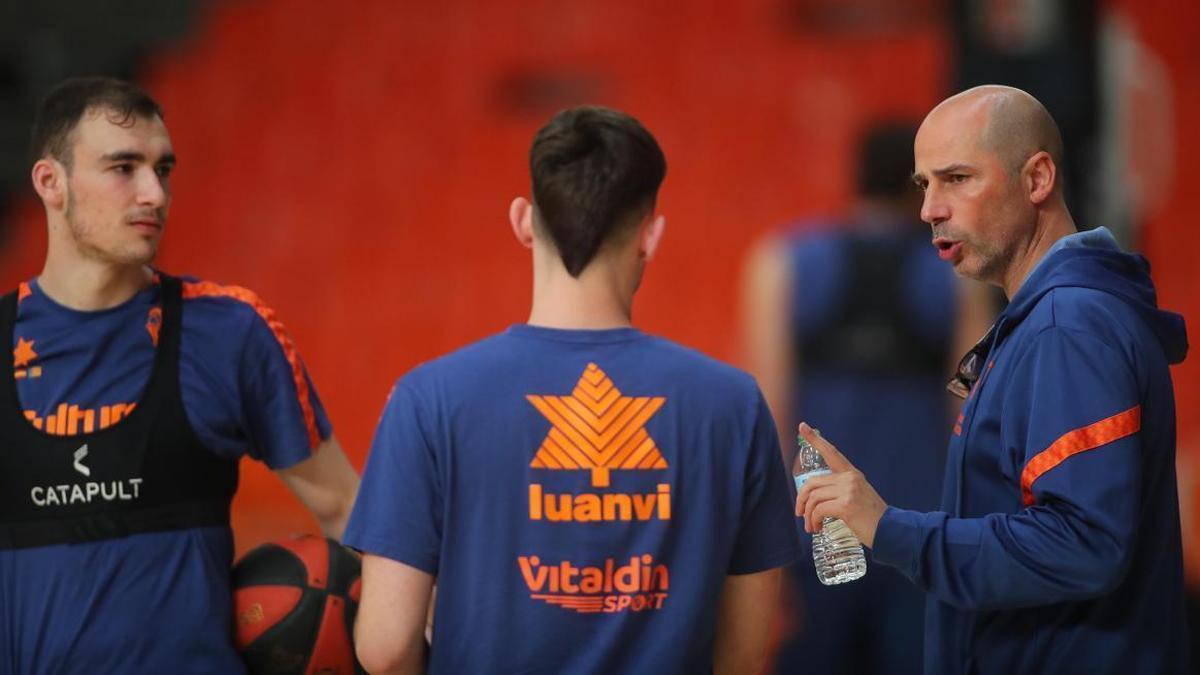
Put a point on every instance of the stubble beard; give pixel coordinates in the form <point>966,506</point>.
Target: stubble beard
<point>83,236</point>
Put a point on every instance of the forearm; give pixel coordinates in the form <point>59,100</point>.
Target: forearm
<point>730,658</point>
<point>389,658</point>
<point>326,484</point>
<point>743,621</point>
<point>1037,557</point>
<point>389,631</point>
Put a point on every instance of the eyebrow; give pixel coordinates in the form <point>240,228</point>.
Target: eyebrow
<point>133,156</point>
<point>918,177</point>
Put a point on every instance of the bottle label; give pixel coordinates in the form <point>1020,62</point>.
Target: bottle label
<point>801,478</point>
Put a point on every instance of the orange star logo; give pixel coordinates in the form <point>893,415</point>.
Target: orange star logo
<point>597,428</point>
<point>24,353</point>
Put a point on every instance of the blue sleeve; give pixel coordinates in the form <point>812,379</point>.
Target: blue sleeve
<point>283,414</point>
<point>243,384</point>
<point>1071,414</point>
<point>767,536</point>
<point>398,510</point>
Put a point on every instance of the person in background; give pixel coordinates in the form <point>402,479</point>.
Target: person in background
<point>853,323</point>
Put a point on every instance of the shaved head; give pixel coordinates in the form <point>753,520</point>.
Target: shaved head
<point>1015,125</point>
<point>987,160</point>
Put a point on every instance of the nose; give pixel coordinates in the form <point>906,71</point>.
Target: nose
<point>934,208</point>
<point>152,190</point>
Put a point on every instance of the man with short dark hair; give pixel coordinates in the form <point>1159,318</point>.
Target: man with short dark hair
<point>589,498</point>
<point>1057,549</point>
<point>135,395</point>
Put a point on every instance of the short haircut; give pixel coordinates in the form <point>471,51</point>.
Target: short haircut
<point>595,172</point>
<point>1018,127</point>
<point>67,103</point>
<point>885,160</point>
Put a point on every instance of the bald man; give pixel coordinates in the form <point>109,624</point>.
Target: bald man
<point>1057,549</point>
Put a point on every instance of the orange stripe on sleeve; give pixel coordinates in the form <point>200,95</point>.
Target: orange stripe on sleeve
<point>23,291</point>
<point>1073,442</point>
<point>207,289</point>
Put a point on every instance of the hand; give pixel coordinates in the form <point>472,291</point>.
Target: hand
<point>844,493</point>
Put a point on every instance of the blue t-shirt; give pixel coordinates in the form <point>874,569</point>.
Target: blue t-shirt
<point>580,496</point>
<point>160,601</point>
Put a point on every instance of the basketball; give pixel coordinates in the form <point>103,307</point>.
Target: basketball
<point>294,604</point>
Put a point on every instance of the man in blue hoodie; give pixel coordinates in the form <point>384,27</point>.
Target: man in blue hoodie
<point>1057,549</point>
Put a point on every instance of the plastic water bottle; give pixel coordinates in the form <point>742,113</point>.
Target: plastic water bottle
<point>837,553</point>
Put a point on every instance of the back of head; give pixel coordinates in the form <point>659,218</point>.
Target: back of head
<point>596,172</point>
<point>67,103</point>
<point>885,161</point>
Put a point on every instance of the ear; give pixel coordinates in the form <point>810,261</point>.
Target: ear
<point>1041,177</point>
<point>520,214</point>
<point>651,235</point>
<point>50,181</point>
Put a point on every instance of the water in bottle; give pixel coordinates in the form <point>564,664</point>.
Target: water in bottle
<point>837,553</point>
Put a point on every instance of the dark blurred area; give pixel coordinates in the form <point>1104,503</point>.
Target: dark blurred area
<point>43,42</point>
<point>1050,50</point>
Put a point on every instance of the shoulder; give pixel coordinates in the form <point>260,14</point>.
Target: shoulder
<point>465,365</point>
<point>504,358</point>
<point>223,320</point>
<point>1080,329</point>
<point>696,371</point>
<point>1091,312</point>
<point>212,307</point>
<point>222,299</point>
<point>805,239</point>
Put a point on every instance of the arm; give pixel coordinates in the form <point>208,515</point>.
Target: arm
<point>766,540</point>
<point>286,426</point>
<point>396,522</point>
<point>743,616</point>
<point>326,484</point>
<point>389,632</point>
<point>766,334</point>
<point>1071,398</point>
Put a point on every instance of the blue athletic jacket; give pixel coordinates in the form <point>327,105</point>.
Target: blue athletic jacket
<point>1058,547</point>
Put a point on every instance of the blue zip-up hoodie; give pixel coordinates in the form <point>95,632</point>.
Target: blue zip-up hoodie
<point>1058,547</point>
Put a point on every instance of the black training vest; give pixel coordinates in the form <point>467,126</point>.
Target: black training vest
<point>146,473</point>
<point>871,331</point>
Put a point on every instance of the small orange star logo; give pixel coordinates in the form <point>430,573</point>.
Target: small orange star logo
<point>154,323</point>
<point>24,353</point>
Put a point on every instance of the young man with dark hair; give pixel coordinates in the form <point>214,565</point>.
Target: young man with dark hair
<point>589,498</point>
<point>131,397</point>
<point>1057,545</point>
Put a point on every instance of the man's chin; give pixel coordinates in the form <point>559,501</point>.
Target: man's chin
<point>964,269</point>
<point>143,255</point>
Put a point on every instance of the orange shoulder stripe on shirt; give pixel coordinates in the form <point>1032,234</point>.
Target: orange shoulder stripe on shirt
<point>207,289</point>
<point>23,291</point>
<point>1073,442</point>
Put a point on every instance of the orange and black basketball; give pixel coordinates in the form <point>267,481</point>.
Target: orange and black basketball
<point>294,604</point>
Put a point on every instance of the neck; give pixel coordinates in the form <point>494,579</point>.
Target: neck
<point>1052,226</point>
<point>87,284</point>
<point>597,299</point>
